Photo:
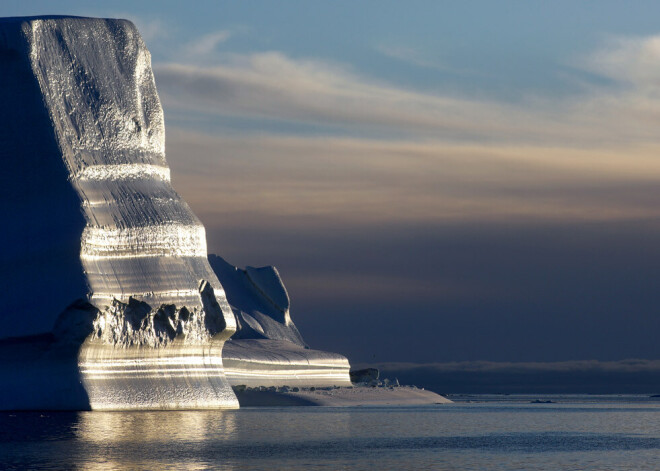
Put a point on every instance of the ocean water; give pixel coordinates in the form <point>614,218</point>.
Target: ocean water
<point>477,432</point>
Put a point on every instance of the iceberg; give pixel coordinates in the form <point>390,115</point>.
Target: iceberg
<point>100,245</point>
<point>96,220</point>
<point>267,348</point>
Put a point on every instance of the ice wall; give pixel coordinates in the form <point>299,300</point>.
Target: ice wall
<point>100,115</point>
<point>267,348</point>
<point>265,362</point>
<point>90,213</point>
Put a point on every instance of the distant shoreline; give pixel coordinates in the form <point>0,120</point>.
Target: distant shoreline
<point>569,377</point>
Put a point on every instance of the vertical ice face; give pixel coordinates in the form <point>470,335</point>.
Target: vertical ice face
<point>141,239</point>
<point>90,211</point>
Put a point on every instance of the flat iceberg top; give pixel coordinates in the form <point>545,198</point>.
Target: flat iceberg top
<point>21,19</point>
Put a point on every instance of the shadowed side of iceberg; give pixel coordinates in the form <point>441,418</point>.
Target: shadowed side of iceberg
<point>258,300</point>
<point>38,373</point>
<point>40,264</point>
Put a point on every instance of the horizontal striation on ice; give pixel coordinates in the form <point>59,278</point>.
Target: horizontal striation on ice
<point>138,358</point>
<point>164,240</point>
<point>281,363</point>
<point>130,356</point>
<point>177,377</point>
<point>47,374</point>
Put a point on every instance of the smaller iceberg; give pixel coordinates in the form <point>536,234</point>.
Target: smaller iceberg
<point>267,348</point>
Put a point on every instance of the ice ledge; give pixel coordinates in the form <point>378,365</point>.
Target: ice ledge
<point>265,362</point>
<point>137,324</point>
<point>111,173</point>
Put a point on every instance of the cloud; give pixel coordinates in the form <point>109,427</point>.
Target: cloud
<point>630,60</point>
<point>621,366</point>
<point>409,55</point>
<point>151,29</point>
<point>361,181</point>
<point>385,286</point>
<point>273,86</point>
<point>415,57</point>
<point>433,157</point>
<point>370,193</point>
<point>208,43</point>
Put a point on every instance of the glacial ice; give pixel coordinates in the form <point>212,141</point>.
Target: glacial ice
<point>253,362</point>
<point>84,91</point>
<point>97,234</point>
<point>258,300</point>
<point>267,348</point>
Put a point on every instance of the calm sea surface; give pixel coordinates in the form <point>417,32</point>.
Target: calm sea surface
<point>491,432</point>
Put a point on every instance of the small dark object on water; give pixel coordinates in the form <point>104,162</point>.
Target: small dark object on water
<point>539,401</point>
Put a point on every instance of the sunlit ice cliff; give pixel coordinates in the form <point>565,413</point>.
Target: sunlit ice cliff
<point>98,243</point>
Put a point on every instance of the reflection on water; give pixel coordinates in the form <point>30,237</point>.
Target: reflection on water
<point>154,427</point>
<point>128,440</point>
<point>112,440</point>
<point>455,436</point>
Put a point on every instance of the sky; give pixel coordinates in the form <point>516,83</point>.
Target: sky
<point>435,181</point>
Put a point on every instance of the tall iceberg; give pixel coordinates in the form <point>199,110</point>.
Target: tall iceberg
<point>86,191</point>
<point>99,244</point>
